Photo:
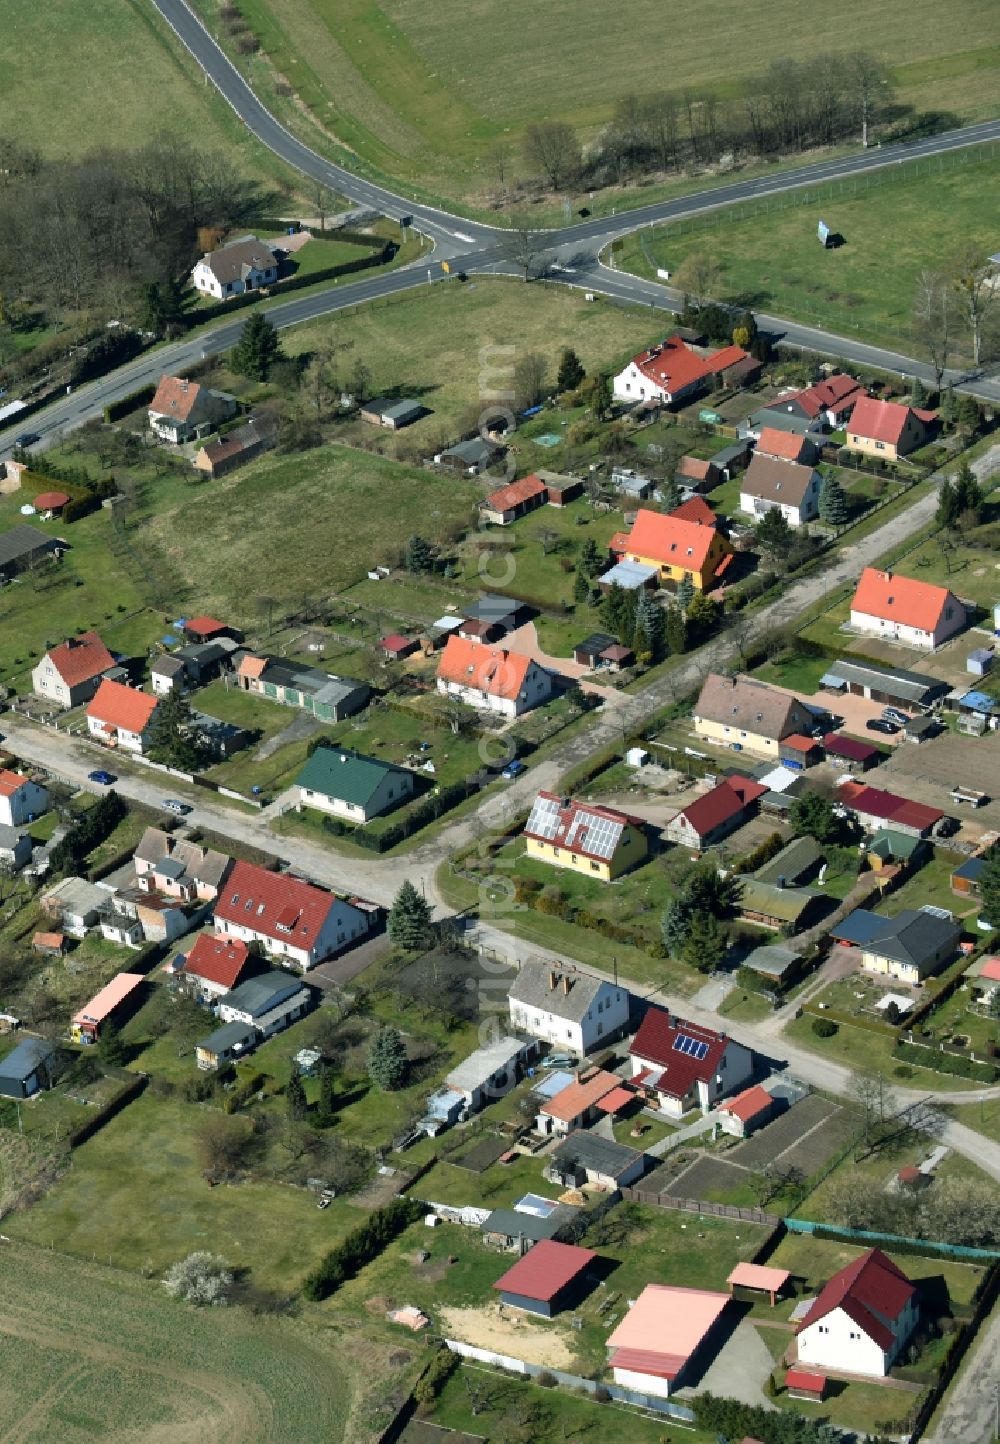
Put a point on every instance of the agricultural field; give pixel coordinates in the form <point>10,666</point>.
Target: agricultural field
<point>87,1354</point>
<point>403,84</point>
<point>124,79</point>
<point>850,289</point>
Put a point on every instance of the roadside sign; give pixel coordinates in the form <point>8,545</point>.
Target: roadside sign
<point>446,267</point>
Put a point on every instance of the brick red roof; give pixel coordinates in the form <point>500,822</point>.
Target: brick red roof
<point>175,397</point>
<point>217,960</point>
<point>672,365</point>
<point>122,707</point>
<point>80,658</point>
<point>887,807</point>
<point>205,626</point>
<point>11,781</point>
<point>694,467</point>
<point>274,905</point>
<point>835,393</point>
<point>990,970</point>
<point>577,825</point>
<point>728,356</point>
<point>748,1104</point>
<point>726,800</point>
<point>883,420</point>
<point>902,599</point>
<point>654,1043</point>
<point>516,493</point>
<point>670,540</point>
<point>545,1270</point>
<point>696,509</point>
<point>837,745</point>
<point>805,1380</point>
<point>397,643</point>
<point>868,1290</point>
<point>491,670</point>
<point>783,445</point>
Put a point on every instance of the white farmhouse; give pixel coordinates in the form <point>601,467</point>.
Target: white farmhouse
<point>491,678</point>
<point>860,1322</point>
<point>901,609</point>
<point>20,799</point>
<point>243,265</point>
<point>566,1008</point>
<point>291,920</point>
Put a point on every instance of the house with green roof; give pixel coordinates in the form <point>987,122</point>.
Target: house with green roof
<point>348,785</point>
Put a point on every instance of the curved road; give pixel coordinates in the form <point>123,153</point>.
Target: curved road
<point>570,255</point>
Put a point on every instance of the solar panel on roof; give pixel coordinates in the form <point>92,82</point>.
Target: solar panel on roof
<point>544,819</point>
<point>691,1047</point>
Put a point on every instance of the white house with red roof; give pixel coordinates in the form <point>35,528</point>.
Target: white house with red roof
<point>491,678</point>
<point>121,716</point>
<point>292,921</point>
<point>669,373</point>
<point>214,965</point>
<point>20,799</point>
<point>860,1322</point>
<point>831,400</point>
<point>181,409</point>
<point>886,429</point>
<point>684,1065</point>
<point>900,609</point>
<point>69,674</point>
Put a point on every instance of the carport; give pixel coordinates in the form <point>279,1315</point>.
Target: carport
<point>758,1279</point>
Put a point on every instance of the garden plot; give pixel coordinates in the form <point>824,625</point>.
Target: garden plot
<point>804,1138</point>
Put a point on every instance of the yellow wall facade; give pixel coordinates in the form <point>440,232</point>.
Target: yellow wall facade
<point>724,735</point>
<point>630,851</point>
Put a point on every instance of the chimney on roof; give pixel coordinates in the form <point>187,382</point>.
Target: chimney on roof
<point>888,575</point>
<point>553,980</point>
<point>566,984</point>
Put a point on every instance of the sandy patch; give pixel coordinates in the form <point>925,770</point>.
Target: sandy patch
<point>512,1333</point>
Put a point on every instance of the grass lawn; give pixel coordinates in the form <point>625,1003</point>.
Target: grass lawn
<point>113,73</point>
<point>443,345</point>
<point>869,1052</point>
<point>931,884</point>
<point>156,1368</point>
<point>325,519</point>
<point>850,289</point>
<point>403,84</point>
<point>135,1196</point>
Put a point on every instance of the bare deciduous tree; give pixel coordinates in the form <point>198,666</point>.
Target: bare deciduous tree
<point>551,147</point>
<point>975,282</point>
<point>871,85</point>
<point>522,246</point>
<point>933,316</point>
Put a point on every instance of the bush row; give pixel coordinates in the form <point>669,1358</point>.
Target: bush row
<point>244,1091</point>
<point>360,1246</point>
<point>115,410</point>
<point>954,1063</point>
<point>552,903</point>
<point>294,283</point>
<point>421,815</point>
<point>114,1105</point>
<point>91,830</point>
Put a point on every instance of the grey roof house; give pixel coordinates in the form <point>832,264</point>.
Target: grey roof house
<point>586,1157</point>
<point>23,547</point>
<point>391,414</point>
<point>327,697</point>
<point>909,947</point>
<point>27,1069</point>
<point>470,457</point>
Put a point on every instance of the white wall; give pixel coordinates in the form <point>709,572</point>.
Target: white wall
<point>642,1383</point>
<point>29,799</point>
<point>837,1342</point>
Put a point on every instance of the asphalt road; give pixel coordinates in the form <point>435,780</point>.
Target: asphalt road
<point>570,255</point>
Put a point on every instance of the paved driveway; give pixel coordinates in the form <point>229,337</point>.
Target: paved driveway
<point>739,1369</point>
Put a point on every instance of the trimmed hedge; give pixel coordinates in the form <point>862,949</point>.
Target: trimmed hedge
<point>360,1247</point>
<point>115,410</point>
<point>953,1063</point>
<point>294,283</point>
<point>113,1106</point>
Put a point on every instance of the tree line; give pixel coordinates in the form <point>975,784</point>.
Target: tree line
<point>111,233</point>
<point>793,106</point>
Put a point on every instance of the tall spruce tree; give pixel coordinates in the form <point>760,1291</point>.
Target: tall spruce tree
<point>257,349</point>
<point>410,923</point>
<point>833,508</point>
<point>571,371</point>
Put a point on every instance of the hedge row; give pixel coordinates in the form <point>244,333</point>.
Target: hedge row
<point>115,410</point>
<point>91,830</point>
<point>202,314</point>
<point>953,1063</point>
<point>360,1246</point>
<point>114,1105</point>
<point>422,814</point>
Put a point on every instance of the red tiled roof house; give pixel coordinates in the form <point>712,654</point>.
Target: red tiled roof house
<point>715,814</point>
<point>20,798</point>
<point>214,965</point>
<point>668,373</point>
<point>491,678</point>
<point>900,609</point>
<point>513,501</point>
<point>678,548</point>
<point>860,1322</point>
<point>292,921</point>
<point>685,1066</point>
<point>182,410</point>
<point>120,716</point>
<point>69,674</point>
<point>886,429</point>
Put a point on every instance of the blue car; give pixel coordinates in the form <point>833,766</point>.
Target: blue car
<point>104,778</point>
<point>513,769</point>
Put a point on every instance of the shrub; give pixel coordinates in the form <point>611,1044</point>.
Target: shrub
<point>824,1027</point>
<point>545,1380</point>
<point>435,1376</point>
<point>200,1279</point>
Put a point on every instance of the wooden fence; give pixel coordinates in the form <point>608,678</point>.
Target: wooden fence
<point>702,1206</point>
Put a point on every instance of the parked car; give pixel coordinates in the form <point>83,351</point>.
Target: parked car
<point>26,439</point>
<point>893,714</point>
<point>879,724</point>
<point>104,778</point>
<point>170,804</point>
<point>557,1060</point>
<point>513,769</point>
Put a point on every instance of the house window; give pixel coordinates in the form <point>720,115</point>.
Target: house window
<point>594,866</point>
<point>854,1335</point>
<point>880,446</point>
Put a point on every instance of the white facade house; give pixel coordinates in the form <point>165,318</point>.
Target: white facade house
<point>899,609</point>
<point>244,265</point>
<point>860,1322</point>
<point>20,799</point>
<point>686,1066</point>
<point>267,1003</point>
<point>567,1009</point>
<point>292,921</point>
<point>491,679</point>
<point>69,674</point>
